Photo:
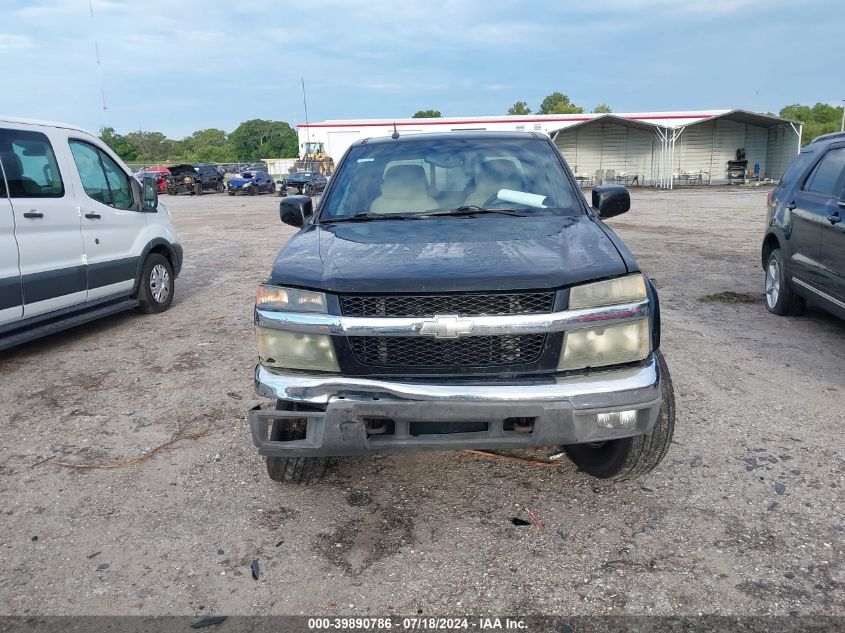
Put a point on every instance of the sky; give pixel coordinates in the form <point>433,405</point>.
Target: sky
<point>181,65</point>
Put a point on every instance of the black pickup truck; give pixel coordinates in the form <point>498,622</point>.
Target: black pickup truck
<point>456,291</point>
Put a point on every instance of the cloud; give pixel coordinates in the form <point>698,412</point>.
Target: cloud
<point>7,40</point>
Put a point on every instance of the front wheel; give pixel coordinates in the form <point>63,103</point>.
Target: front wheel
<point>780,299</point>
<point>631,457</point>
<point>198,189</point>
<point>297,470</point>
<point>155,290</point>
<point>220,187</point>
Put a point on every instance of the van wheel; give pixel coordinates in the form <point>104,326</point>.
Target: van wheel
<point>780,299</point>
<point>631,457</point>
<point>297,470</point>
<point>155,291</point>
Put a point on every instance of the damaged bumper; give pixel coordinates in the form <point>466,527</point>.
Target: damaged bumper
<point>372,416</point>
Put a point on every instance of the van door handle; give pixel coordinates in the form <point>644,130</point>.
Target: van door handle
<point>33,214</point>
<point>93,216</point>
<point>834,218</point>
<point>791,205</point>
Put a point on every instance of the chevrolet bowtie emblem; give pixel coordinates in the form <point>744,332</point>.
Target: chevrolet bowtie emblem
<point>447,327</point>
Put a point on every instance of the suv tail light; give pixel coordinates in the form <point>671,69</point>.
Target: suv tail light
<point>769,198</point>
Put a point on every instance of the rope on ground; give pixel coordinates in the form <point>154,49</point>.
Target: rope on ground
<point>180,435</point>
<point>512,458</point>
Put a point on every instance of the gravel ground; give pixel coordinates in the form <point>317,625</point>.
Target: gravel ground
<point>744,516</point>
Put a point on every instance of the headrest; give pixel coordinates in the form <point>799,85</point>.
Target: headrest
<point>404,179</point>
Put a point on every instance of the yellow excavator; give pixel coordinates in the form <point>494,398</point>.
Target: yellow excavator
<point>315,158</point>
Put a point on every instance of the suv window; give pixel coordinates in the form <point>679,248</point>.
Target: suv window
<point>796,167</point>
<point>828,178</point>
<point>101,177</point>
<point>30,165</point>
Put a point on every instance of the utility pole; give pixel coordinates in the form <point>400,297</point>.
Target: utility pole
<point>842,127</point>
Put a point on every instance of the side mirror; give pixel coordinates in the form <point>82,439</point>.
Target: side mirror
<point>150,198</point>
<point>611,200</point>
<point>294,210</point>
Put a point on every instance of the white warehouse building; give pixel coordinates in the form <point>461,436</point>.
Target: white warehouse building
<point>643,148</point>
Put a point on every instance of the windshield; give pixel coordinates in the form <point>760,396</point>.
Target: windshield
<point>421,175</point>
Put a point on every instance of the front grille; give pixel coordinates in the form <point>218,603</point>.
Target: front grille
<point>472,351</point>
<point>459,304</point>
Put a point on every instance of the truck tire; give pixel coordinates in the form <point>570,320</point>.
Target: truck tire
<point>780,299</point>
<point>297,470</point>
<point>631,457</point>
<point>156,286</point>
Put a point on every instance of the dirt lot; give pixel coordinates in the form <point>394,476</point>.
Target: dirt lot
<point>744,516</point>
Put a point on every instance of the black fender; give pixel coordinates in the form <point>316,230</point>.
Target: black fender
<point>174,250</point>
<point>654,312</point>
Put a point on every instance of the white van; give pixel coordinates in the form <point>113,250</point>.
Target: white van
<point>80,238</point>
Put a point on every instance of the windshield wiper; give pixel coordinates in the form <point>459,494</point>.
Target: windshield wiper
<point>366,216</point>
<point>472,209</point>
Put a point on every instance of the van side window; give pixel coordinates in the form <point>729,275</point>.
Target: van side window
<point>101,178</point>
<point>30,165</point>
<point>828,178</point>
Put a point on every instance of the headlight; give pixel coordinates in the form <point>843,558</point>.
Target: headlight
<point>278,299</point>
<point>187,180</point>
<point>294,350</point>
<point>605,345</point>
<point>609,292</point>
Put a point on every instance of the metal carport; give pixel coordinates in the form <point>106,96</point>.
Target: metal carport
<point>707,145</point>
<point>659,152</point>
<point>609,142</point>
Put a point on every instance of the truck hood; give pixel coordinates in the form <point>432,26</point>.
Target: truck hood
<point>448,254</point>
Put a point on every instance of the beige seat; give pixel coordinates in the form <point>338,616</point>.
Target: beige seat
<point>405,189</point>
<point>494,174</point>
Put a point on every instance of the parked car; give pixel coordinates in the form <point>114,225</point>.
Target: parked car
<point>804,244</point>
<point>80,238</point>
<point>251,184</point>
<point>194,179</point>
<point>305,182</point>
<point>456,291</point>
<point>158,175</point>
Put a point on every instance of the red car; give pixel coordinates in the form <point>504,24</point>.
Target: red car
<point>159,172</point>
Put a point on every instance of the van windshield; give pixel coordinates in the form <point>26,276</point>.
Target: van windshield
<point>421,175</point>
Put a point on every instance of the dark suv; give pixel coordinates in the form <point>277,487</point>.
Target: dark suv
<point>194,179</point>
<point>804,244</point>
<point>455,291</point>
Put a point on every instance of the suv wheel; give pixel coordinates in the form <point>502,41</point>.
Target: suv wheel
<point>780,299</point>
<point>220,186</point>
<point>297,470</point>
<point>155,290</point>
<point>631,457</point>
<point>198,189</point>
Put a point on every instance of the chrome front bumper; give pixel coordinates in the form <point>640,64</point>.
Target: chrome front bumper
<point>563,410</point>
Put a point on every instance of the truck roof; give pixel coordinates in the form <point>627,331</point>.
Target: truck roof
<point>443,136</point>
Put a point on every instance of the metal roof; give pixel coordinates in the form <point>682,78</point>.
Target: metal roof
<point>615,118</point>
<point>751,118</point>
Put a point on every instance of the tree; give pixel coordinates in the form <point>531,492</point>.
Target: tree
<point>258,138</point>
<point>152,146</point>
<point>822,118</point>
<point>558,103</point>
<point>119,144</point>
<point>603,108</point>
<point>427,114</point>
<point>205,146</point>
<point>518,108</point>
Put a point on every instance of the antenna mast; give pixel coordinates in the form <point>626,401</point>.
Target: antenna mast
<point>305,103</point>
